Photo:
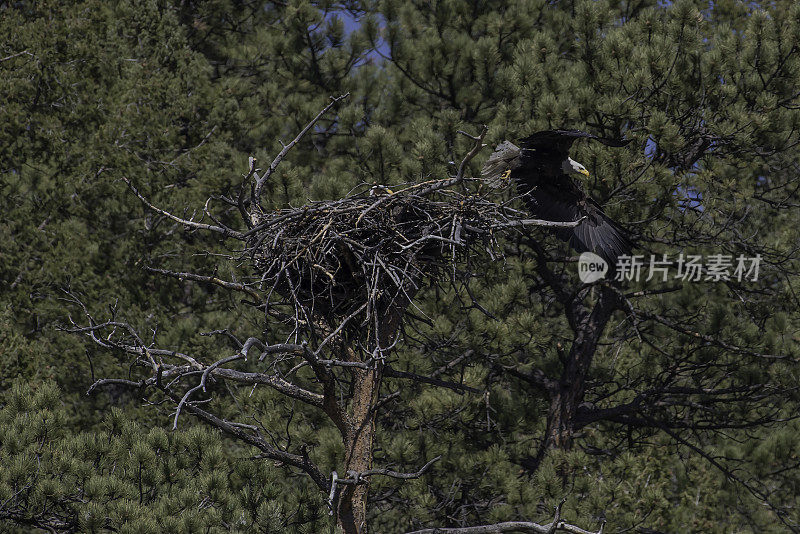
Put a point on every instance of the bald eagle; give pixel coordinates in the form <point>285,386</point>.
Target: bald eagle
<point>542,170</point>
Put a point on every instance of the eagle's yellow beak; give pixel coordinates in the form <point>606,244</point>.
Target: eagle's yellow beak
<point>584,172</point>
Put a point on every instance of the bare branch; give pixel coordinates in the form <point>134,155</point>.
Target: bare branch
<point>479,144</point>
<point>557,525</point>
<point>114,381</point>
<point>714,341</point>
<point>274,165</point>
<point>357,477</point>
<point>243,189</point>
<point>276,383</point>
<point>300,461</point>
<point>227,232</point>
<point>201,385</point>
<point>458,388</point>
<point>538,222</point>
<point>12,56</point>
<point>209,279</point>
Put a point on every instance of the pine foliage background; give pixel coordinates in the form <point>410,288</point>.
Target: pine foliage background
<point>689,418</point>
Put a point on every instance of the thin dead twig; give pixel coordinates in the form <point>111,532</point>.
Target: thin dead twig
<point>260,181</point>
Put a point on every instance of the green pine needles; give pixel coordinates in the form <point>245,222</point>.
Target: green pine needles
<point>660,405</point>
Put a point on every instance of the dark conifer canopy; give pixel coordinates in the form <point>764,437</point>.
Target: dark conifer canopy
<point>666,403</point>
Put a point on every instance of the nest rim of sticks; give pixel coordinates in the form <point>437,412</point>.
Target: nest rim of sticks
<point>376,247</point>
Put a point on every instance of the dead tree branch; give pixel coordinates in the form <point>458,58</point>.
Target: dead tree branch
<point>359,477</point>
<point>260,181</point>
<point>556,525</point>
<point>227,232</point>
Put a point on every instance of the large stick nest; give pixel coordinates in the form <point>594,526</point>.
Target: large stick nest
<point>375,245</point>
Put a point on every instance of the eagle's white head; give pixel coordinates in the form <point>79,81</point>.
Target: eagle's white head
<point>570,166</point>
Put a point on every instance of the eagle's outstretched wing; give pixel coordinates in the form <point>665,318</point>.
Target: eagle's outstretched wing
<point>562,140</point>
<point>597,232</point>
<point>551,147</point>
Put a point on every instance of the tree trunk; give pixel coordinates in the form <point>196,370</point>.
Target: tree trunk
<point>358,447</point>
<point>568,395</point>
<point>360,434</point>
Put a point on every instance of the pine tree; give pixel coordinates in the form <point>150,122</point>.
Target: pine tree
<point>668,406</point>
<point>125,478</point>
<point>693,94</point>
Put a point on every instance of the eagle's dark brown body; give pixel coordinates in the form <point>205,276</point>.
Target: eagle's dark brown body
<point>537,167</point>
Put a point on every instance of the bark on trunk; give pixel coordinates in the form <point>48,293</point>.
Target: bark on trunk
<point>360,432</point>
<point>358,444</point>
<point>569,393</point>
